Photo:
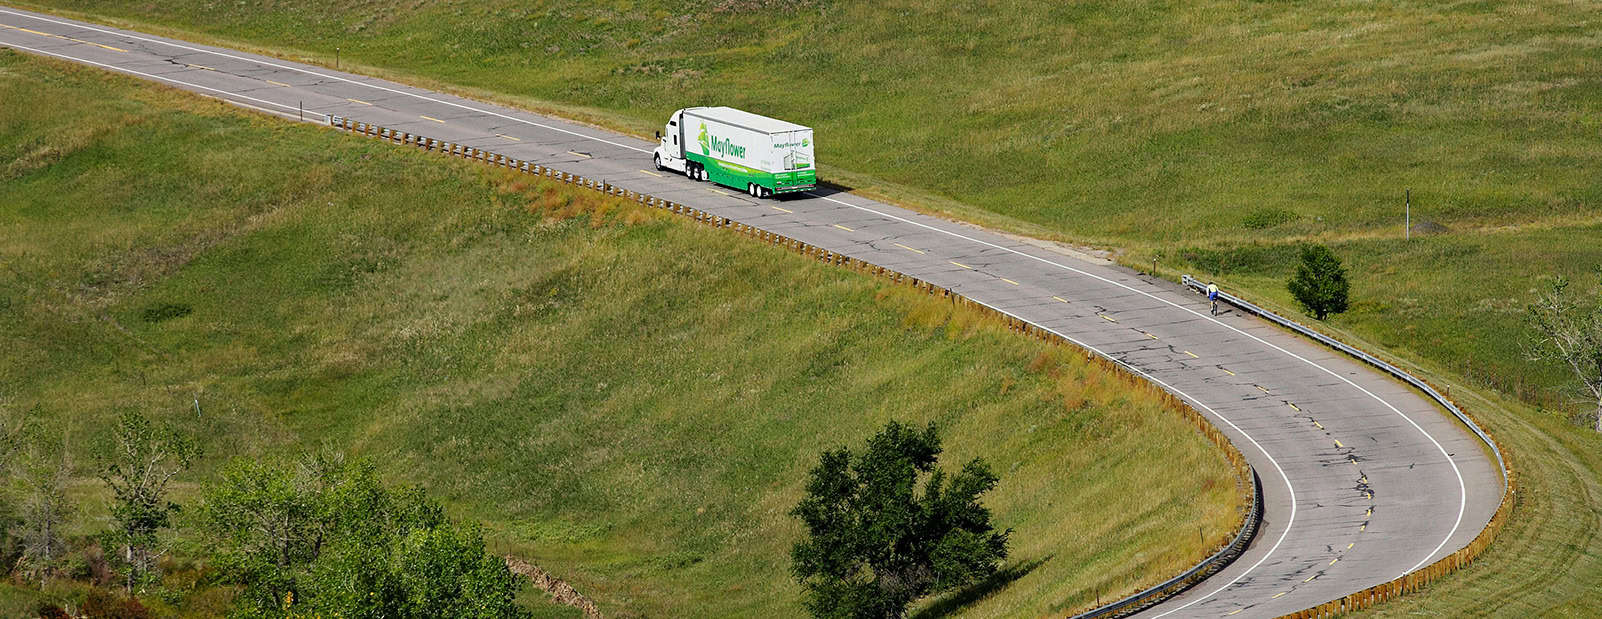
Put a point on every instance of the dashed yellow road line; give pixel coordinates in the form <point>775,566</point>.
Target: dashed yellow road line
<point>1370,512</point>
<point>1108,318</point>
<point>844,228</point>
<point>510,137</point>
<point>1261,388</point>
<point>357,101</point>
<point>1009,281</point>
<point>1151,336</point>
<point>1192,355</point>
<point>431,118</point>
<point>1319,425</point>
<point>1226,370</point>
<point>713,190</point>
<point>1338,444</point>
<point>908,248</point>
<point>1349,546</point>
<point>1277,595</point>
<point>960,264</point>
<point>278,83</point>
<point>1332,561</point>
<point>1059,299</point>
<point>579,154</point>
<point>651,173</point>
<point>1233,612</point>
<point>1310,578</point>
<point>781,210</point>
<point>1362,527</point>
<point>57,36</point>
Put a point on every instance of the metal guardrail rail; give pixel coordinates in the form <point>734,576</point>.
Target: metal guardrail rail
<point>1201,571</point>
<point>1251,517</point>
<point>1412,581</point>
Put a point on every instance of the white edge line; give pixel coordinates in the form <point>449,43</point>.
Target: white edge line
<point>1462,487</point>
<point>160,79</point>
<point>1462,504</point>
<point>310,72</point>
<point>1289,522</point>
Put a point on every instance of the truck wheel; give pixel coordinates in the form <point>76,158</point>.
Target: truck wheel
<point>750,189</point>
<point>689,171</point>
<point>657,159</point>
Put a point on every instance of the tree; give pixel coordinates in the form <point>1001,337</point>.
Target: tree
<point>875,544</point>
<point>1570,330</point>
<point>44,511</point>
<point>1319,284</point>
<point>325,537</point>
<point>138,466</point>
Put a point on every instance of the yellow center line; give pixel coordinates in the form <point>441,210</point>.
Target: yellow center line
<point>1226,371</point>
<point>1009,281</point>
<point>582,155</point>
<point>431,118</point>
<point>1192,355</point>
<point>65,38</point>
<point>1261,388</point>
<point>1276,595</point>
<point>1332,561</point>
<point>1060,299</point>
<point>510,137</point>
<point>781,210</point>
<point>1294,406</point>
<point>1370,512</point>
<point>1370,495</point>
<point>1361,528</point>
<point>1338,444</point>
<point>278,83</point>
<point>1151,336</point>
<point>651,173</point>
<point>357,101</point>
<point>1363,479</point>
<point>844,228</point>
<point>115,49</point>
<point>1320,425</point>
<point>908,248</point>
<point>711,190</point>
<point>960,264</point>
<point>1109,318</point>
<point>1349,546</point>
<point>1310,578</point>
<point>1233,612</point>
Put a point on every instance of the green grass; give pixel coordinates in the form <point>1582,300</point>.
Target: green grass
<point>623,398</point>
<point>1232,127</point>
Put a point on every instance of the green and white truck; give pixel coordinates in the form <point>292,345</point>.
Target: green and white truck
<point>759,155</point>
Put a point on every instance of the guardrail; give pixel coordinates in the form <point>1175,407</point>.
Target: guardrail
<point>1202,571</point>
<point>1412,581</point>
<point>1251,512</point>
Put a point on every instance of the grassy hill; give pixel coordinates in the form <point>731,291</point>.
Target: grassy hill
<point>1211,135</point>
<point>623,398</point>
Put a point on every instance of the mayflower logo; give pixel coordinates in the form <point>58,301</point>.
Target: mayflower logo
<point>805,142</point>
<point>714,144</point>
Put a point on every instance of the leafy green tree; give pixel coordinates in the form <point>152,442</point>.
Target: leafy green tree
<point>1319,284</point>
<point>138,466</point>
<point>875,544</point>
<point>44,510</point>
<point>326,537</point>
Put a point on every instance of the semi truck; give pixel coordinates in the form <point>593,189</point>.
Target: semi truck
<point>759,155</point>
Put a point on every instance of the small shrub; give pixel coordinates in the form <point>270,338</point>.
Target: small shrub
<point>158,312</point>
<point>1264,218</point>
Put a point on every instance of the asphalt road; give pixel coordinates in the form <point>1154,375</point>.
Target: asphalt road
<point>1363,479</point>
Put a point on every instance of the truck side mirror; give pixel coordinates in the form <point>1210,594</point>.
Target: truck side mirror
<point>659,135</point>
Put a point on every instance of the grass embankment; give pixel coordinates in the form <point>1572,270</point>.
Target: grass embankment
<point>623,398</point>
<point>1226,125</point>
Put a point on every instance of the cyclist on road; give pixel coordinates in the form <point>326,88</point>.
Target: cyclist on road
<point>1212,295</point>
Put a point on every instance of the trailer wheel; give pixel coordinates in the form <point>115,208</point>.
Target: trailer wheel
<point>689,171</point>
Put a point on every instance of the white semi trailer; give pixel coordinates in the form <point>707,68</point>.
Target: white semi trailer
<point>759,155</point>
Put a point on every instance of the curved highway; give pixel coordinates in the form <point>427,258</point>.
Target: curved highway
<point>1364,480</point>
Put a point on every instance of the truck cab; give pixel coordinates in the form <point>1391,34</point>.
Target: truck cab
<point>669,153</point>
